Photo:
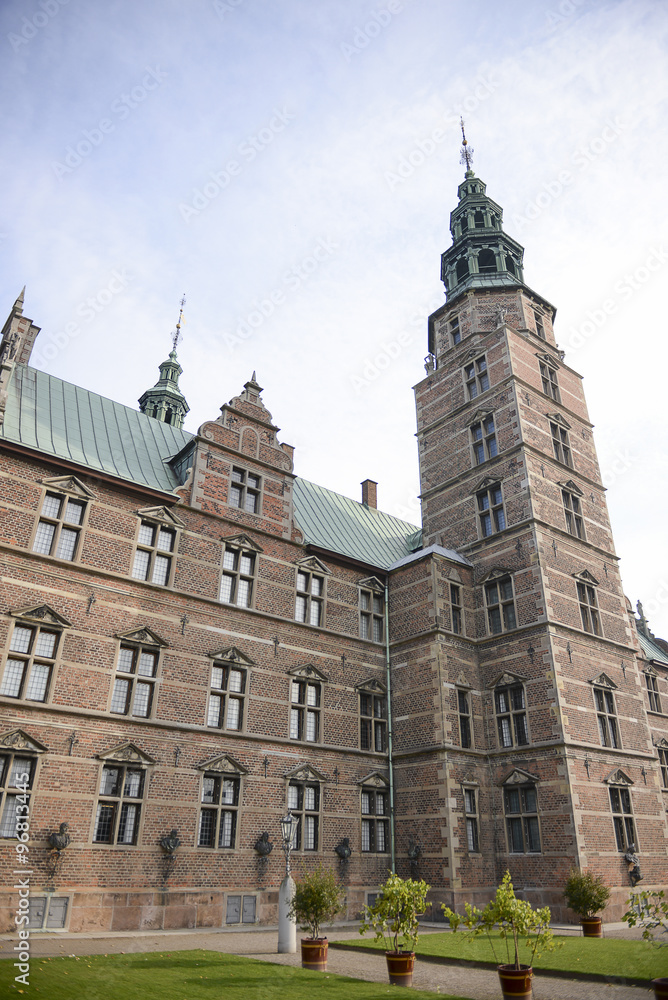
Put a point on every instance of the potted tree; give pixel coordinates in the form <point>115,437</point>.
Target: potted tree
<point>394,919</point>
<point>317,899</point>
<point>587,895</point>
<point>516,919</point>
<point>649,910</point>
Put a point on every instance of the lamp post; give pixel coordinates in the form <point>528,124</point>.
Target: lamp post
<point>287,929</point>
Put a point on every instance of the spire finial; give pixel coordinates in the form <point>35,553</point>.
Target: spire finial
<point>176,336</point>
<point>467,151</point>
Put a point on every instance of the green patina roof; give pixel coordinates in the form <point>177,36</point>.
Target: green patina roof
<point>342,525</point>
<point>67,422</point>
<point>651,650</point>
<point>60,419</point>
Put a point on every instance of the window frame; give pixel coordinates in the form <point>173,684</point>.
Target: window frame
<point>154,552</point>
<point>465,718</point>
<point>522,821</point>
<point>491,510</point>
<point>372,614</point>
<point>454,330</point>
<point>456,609</point>
<point>60,524</point>
<point>220,808</point>
<point>606,715</point>
<point>561,445</point>
<point>238,574</point>
<point>120,804</point>
<point>373,821</point>
<point>512,718</point>
<point>19,793</point>
<point>245,486</point>
<point>476,377</point>
<point>471,796</point>
<point>550,383</point>
<point>662,753</point>
<point>310,600</point>
<point>653,694</point>
<point>540,326</point>
<point>372,720</point>
<point>573,514</point>
<point>623,820</point>
<point>223,695</point>
<point>31,659</point>
<point>499,611</point>
<point>589,612</point>
<point>134,679</point>
<point>304,713</point>
<point>484,444</point>
<point>309,819</point>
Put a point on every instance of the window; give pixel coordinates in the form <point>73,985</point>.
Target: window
<point>663,764</point>
<point>372,608</point>
<point>309,602</point>
<point>471,814</point>
<point>607,717</point>
<point>486,261</point>
<point>59,526</point>
<point>464,718</point>
<point>16,780</point>
<point>490,510</point>
<point>479,220</point>
<point>304,804</point>
<point>456,608</point>
<point>549,379</point>
<point>483,435</point>
<point>588,608</point>
<point>500,605</point>
<point>119,805</point>
<point>375,837</point>
<point>305,711</point>
<point>48,912</point>
<point>373,722</point>
<point>455,332</point>
<point>521,809</point>
<point>462,267</point>
<point>511,718</point>
<point>560,445</point>
<point>653,692</point>
<point>153,558</point>
<point>477,378</point>
<point>622,818</point>
<point>245,490</point>
<point>226,683</point>
<point>29,667</point>
<point>236,584</point>
<point>573,514</point>
<point>134,685</point>
<point>220,806</point>
<point>540,328</point>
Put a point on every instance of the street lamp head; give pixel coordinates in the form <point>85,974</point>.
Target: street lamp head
<point>288,824</point>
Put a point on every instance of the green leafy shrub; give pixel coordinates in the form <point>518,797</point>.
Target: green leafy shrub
<point>586,894</point>
<point>317,899</point>
<point>516,919</point>
<point>394,915</point>
<point>649,910</point>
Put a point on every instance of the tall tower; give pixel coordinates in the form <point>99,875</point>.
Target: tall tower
<point>541,747</point>
<point>165,401</point>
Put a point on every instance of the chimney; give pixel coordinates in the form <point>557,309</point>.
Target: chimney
<point>369,493</point>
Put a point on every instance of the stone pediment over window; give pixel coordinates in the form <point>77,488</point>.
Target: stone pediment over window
<point>618,777</point>
<point>126,753</point>
<point>144,635</point>
<point>162,514</point>
<point>571,487</point>
<point>372,583</point>
<point>603,681</point>
<point>662,744</point>
<point>304,772</point>
<point>469,781</point>
<point>649,669</point>
<point>223,764</point>
<point>232,655</point>
<point>371,685</point>
<point>241,542</point>
<point>506,679</point>
<point>478,416</point>
<point>463,682</point>
<point>374,778</point>
<point>69,484</point>
<point>496,573</point>
<point>487,483</point>
<point>308,671</point>
<point>586,577</point>
<point>520,777</point>
<point>17,739</point>
<point>557,418</point>
<point>42,614</point>
<point>313,564</point>
<point>548,360</point>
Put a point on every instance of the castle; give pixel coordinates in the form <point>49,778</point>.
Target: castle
<point>194,640</point>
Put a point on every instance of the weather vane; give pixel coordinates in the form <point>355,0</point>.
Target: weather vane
<point>176,336</point>
<point>467,151</point>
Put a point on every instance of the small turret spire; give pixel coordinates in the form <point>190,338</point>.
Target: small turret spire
<point>467,151</point>
<point>165,401</point>
<point>176,336</point>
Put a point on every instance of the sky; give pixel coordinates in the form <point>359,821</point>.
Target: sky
<point>290,166</point>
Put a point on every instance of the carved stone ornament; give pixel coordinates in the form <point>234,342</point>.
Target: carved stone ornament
<point>126,753</point>
<point>557,418</point>
<point>223,764</point>
<point>69,484</point>
<point>18,740</point>
<point>478,416</point>
<point>304,772</point>
<point>232,655</point>
<point>314,564</point>
<point>519,777</point>
<point>307,670</point>
<point>586,577</point>
<point>241,542</point>
<point>42,613</point>
<point>496,573</point>
<point>549,361</point>
<point>505,679</point>
<point>603,681</point>
<point>487,483</point>
<point>143,635</point>
<point>161,514</point>
<point>375,779</point>
<point>571,487</point>
<point>618,777</point>
<point>372,583</point>
<point>371,684</point>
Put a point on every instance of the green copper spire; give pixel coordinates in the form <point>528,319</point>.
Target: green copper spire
<point>481,255</point>
<point>165,401</point>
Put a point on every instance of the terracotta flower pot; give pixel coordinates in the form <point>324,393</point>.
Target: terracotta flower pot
<point>515,983</point>
<point>400,966</point>
<point>314,954</point>
<point>660,987</point>
<point>591,927</point>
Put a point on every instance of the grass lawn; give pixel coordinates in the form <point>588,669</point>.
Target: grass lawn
<point>605,956</point>
<point>185,975</point>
